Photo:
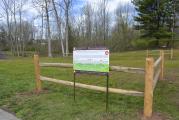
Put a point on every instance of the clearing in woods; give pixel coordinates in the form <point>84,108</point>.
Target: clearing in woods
<point>17,83</point>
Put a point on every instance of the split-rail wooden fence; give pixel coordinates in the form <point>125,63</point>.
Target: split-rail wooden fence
<point>153,72</point>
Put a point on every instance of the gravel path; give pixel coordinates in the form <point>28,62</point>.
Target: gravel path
<point>6,116</point>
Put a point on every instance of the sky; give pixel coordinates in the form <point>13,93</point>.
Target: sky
<point>112,4</point>
<point>77,6</point>
<point>30,12</point>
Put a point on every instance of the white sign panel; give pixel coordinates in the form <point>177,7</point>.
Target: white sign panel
<point>91,60</point>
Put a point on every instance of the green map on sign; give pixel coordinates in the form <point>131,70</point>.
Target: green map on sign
<point>92,67</point>
<point>91,60</point>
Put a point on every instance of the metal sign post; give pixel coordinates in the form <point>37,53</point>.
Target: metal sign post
<point>93,73</point>
<point>74,76</point>
<point>107,91</point>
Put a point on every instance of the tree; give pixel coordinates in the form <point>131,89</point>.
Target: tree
<point>13,8</point>
<point>154,18</point>
<point>14,11</point>
<point>122,32</point>
<point>67,6</point>
<point>6,6</point>
<point>40,7</point>
<point>20,28</point>
<point>58,21</point>
<point>88,22</point>
<point>102,19</point>
<point>175,21</point>
<point>3,38</point>
<point>104,14</point>
<point>48,28</point>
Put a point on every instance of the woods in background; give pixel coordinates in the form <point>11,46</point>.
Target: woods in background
<point>58,26</point>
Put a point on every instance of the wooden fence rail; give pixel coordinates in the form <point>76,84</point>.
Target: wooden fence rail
<point>39,78</point>
<point>154,71</point>
<point>92,87</point>
<point>112,68</point>
<point>166,52</point>
<point>157,62</point>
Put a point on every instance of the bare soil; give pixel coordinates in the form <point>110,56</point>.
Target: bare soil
<point>155,116</point>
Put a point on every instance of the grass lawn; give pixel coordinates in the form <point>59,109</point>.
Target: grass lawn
<point>56,102</point>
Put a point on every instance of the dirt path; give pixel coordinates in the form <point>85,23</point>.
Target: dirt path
<point>7,116</point>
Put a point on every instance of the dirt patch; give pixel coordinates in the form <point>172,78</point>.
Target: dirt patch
<point>34,92</point>
<point>155,116</point>
<point>175,99</point>
<point>172,75</point>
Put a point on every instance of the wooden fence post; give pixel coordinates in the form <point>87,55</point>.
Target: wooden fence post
<point>147,52</point>
<point>148,93</point>
<point>37,73</point>
<point>162,65</point>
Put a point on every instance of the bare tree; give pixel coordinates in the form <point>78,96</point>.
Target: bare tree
<point>58,20</point>
<point>6,6</point>
<point>48,28</point>
<point>15,27</point>
<point>67,4</point>
<point>104,18</point>
<point>123,32</point>
<point>40,7</point>
<point>88,13</point>
<point>21,39</point>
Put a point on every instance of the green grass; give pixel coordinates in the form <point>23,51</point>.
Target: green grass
<point>56,102</point>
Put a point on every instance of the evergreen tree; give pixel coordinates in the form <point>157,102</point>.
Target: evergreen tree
<point>154,18</point>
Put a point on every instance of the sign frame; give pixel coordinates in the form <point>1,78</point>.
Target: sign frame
<point>96,62</point>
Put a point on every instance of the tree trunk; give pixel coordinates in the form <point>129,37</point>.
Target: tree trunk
<point>15,32</point>
<point>59,27</point>
<point>67,7</point>
<point>67,33</point>
<point>48,29</point>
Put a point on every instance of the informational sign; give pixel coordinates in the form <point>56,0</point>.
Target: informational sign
<point>91,60</point>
